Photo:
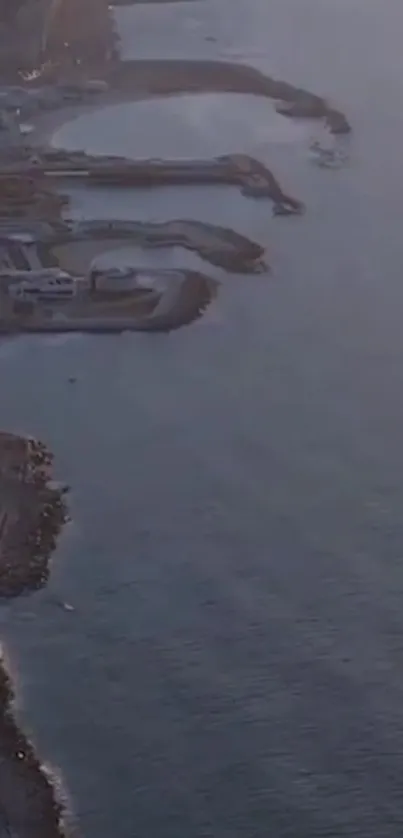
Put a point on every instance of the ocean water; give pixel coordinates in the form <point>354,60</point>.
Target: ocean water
<point>205,125</point>
<point>232,666</point>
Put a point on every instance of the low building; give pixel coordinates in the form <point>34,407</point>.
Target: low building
<point>42,286</point>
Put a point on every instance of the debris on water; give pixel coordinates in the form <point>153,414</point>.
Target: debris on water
<point>329,157</point>
<point>57,602</point>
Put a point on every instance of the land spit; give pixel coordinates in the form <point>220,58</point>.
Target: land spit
<point>221,246</point>
<point>183,298</point>
<point>254,179</point>
<point>218,245</point>
<point>30,247</point>
<point>32,512</point>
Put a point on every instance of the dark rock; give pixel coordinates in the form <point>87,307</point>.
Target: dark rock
<point>305,107</point>
<point>337,122</point>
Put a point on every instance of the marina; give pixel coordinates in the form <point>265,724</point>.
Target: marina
<point>213,646</point>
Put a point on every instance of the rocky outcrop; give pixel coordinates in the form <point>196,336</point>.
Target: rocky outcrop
<point>32,513</point>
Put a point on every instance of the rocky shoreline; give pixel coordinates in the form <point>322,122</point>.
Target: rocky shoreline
<point>32,513</point>
<point>66,43</point>
<point>179,305</point>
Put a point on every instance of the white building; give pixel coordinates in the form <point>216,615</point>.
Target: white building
<point>40,286</point>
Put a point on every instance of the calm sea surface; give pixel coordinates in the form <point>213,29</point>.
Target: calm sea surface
<point>233,665</point>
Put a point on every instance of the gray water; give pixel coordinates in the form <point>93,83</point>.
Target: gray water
<point>205,125</point>
<point>233,663</point>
